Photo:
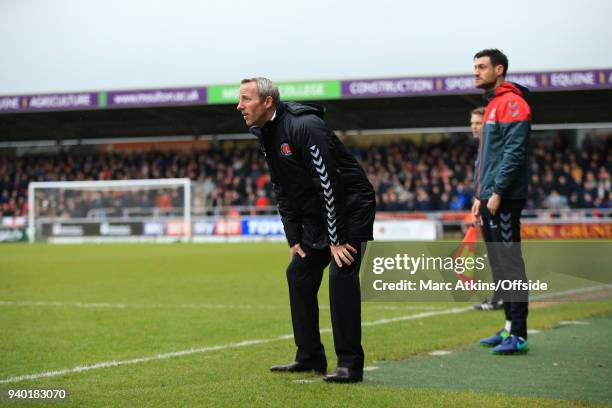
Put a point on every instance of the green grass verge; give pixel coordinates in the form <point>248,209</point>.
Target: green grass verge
<point>161,278</point>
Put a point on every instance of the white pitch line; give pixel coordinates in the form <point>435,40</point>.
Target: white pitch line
<point>208,349</point>
<point>440,353</point>
<point>105,305</point>
<point>384,307</point>
<point>570,322</point>
<point>571,292</point>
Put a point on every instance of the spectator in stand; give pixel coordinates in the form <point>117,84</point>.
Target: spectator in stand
<point>262,200</point>
<point>476,117</point>
<point>555,201</point>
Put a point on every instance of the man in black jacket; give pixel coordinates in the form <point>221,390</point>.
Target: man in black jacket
<point>327,206</point>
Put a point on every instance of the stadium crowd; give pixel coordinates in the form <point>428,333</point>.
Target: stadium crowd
<point>405,175</point>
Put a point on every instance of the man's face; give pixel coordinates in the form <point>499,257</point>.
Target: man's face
<point>485,74</point>
<point>252,108</point>
<point>476,124</point>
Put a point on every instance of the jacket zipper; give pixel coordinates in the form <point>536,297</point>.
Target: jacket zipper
<point>480,159</point>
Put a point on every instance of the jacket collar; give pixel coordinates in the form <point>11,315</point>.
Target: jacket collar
<point>503,88</point>
<point>259,131</point>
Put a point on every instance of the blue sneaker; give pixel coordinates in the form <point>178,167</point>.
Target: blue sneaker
<point>495,340</point>
<point>512,345</point>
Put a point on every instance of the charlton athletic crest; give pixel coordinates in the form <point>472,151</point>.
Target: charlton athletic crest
<point>286,149</point>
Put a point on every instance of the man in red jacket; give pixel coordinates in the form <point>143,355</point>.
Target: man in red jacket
<point>500,185</point>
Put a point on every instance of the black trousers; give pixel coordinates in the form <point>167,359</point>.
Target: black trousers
<point>502,235</point>
<point>304,276</point>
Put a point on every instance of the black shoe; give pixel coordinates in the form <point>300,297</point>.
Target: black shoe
<point>490,305</point>
<point>344,375</point>
<point>299,367</point>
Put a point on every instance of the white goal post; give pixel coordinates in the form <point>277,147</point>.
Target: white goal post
<point>105,211</point>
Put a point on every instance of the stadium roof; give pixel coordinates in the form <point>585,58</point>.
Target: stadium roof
<point>563,97</point>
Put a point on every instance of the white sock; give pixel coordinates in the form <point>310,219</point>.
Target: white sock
<point>508,325</point>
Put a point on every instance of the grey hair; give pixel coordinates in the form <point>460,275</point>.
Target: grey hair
<point>265,88</point>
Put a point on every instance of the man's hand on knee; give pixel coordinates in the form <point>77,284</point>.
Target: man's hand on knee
<point>342,254</point>
<point>297,249</point>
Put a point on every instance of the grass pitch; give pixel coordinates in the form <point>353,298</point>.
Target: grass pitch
<point>200,324</point>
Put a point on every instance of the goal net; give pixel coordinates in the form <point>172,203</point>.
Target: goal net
<point>117,210</point>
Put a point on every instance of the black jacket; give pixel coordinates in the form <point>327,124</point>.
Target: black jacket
<point>323,195</point>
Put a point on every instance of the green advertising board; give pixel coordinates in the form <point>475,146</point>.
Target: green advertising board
<point>13,235</point>
<point>289,91</point>
<point>102,98</point>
